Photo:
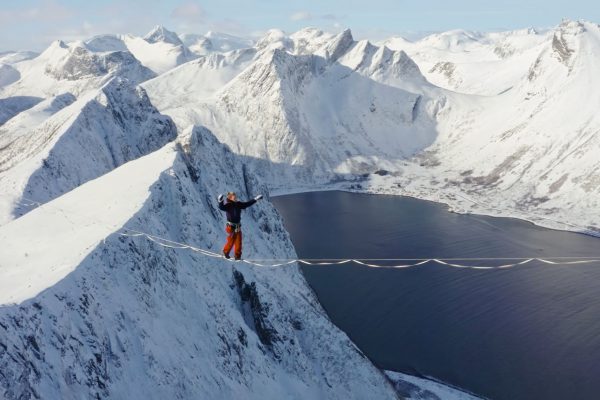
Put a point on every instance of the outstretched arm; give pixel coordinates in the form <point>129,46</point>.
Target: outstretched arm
<point>246,204</point>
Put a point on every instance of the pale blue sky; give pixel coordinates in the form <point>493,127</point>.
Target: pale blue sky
<point>33,24</point>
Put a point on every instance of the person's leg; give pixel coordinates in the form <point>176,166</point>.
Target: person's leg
<point>230,240</point>
<point>238,245</point>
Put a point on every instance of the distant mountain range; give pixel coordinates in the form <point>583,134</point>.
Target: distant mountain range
<point>143,132</point>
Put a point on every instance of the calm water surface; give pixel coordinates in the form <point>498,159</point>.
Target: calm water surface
<point>532,332</point>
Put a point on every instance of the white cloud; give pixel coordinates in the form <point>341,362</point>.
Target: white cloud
<point>45,11</point>
<point>301,16</point>
<point>190,11</point>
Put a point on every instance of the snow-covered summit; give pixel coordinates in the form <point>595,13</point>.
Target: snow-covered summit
<point>73,67</point>
<point>337,46</point>
<point>161,34</point>
<point>102,43</point>
<point>80,141</point>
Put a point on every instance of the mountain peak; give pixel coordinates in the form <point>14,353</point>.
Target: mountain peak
<point>275,38</point>
<point>571,26</point>
<point>339,45</point>
<point>161,34</point>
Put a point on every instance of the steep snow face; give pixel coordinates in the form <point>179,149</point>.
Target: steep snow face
<point>160,50</point>
<point>160,34</point>
<point>394,68</point>
<point>320,115</point>
<point>122,317</point>
<point>80,142</point>
<point>194,82</point>
<point>72,68</point>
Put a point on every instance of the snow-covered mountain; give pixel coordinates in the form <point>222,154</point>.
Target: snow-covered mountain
<point>89,313</point>
<point>532,149</point>
<point>160,50</point>
<point>518,134</point>
<point>473,62</point>
<point>78,141</point>
<point>120,130</point>
<point>309,116</point>
<point>194,82</point>
<point>73,68</point>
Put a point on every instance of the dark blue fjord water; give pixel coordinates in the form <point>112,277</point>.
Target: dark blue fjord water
<point>532,332</point>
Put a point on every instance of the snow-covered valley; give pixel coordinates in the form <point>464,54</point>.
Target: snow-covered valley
<point>119,131</point>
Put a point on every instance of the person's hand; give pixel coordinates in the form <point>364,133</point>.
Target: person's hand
<point>220,198</point>
<point>258,197</point>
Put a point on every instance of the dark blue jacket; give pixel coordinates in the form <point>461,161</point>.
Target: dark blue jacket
<point>233,209</point>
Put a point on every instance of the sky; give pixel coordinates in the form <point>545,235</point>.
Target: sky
<point>34,24</point>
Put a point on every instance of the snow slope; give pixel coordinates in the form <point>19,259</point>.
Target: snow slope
<point>103,315</point>
<point>11,57</point>
<point>179,89</point>
<point>311,116</point>
<point>474,62</point>
<point>160,50</point>
<point>72,68</point>
<point>533,149</point>
<point>78,142</point>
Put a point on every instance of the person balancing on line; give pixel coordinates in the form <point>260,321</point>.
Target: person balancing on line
<point>233,210</point>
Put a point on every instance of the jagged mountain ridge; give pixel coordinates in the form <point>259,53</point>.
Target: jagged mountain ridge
<point>327,113</point>
<point>80,141</point>
<point>73,68</point>
<point>128,318</point>
<point>530,145</point>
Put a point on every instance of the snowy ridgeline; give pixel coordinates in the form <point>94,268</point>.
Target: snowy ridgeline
<point>109,133</point>
<point>506,125</point>
<point>89,313</point>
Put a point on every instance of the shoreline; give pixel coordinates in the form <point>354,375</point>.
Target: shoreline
<point>460,205</point>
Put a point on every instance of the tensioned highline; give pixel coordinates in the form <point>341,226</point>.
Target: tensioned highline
<point>164,242</point>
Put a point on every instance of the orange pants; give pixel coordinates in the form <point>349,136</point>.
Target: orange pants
<point>233,239</point>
